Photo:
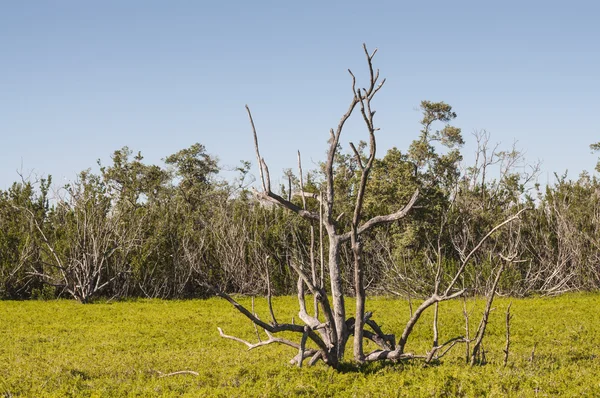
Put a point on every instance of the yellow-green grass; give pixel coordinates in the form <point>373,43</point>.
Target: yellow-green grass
<point>62,348</point>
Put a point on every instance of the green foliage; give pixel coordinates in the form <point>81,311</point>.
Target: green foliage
<point>44,293</point>
<point>423,152</point>
<point>130,181</point>
<point>168,229</point>
<point>20,251</point>
<point>595,148</point>
<point>60,348</point>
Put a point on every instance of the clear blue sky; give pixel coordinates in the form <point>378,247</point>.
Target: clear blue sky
<point>79,79</point>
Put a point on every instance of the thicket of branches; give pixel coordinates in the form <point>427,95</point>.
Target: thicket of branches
<point>170,230</point>
<point>138,230</point>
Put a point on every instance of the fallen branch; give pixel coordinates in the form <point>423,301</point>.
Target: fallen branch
<point>180,372</point>
<point>272,339</point>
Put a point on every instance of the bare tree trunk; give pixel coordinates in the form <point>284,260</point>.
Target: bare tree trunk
<point>337,293</point>
<point>359,290</point>
<point>331,336</point>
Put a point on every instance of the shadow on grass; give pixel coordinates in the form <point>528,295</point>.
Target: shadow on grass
<point>385,366</point>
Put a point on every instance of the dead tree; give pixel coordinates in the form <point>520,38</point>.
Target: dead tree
<point>332,334</point>
<point>331,330</point>
<point>96,247</point>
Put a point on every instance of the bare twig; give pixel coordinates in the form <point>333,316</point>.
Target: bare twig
<point>272,339</point>
<point>269,296</point>
<point>377,220</point>
<point>484,320</point>
<point>254,324</point>
<point>507,346</point>
<point>258,158</point>
<point>467,337</point>
<point>532,355</point>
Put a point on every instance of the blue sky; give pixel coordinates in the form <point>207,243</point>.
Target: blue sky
<point>80,79</point>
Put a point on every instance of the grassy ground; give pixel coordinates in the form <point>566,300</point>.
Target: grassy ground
<point>61,348</point>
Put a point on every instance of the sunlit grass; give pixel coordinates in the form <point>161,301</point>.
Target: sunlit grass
<point>62,348</point>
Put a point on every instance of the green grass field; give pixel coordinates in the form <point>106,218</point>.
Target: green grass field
<point>62,348</point>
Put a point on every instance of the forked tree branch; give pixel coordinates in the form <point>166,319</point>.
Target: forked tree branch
<point>377,220</point>
<point>272,339</point>
<point>308,195</point>
<point>265,178</point>
<point>468,257</point>
<point>450,343</point>
<point>322,298</point>
<point>274,198</point>
<point>282,327</point>
<point>435,298</point>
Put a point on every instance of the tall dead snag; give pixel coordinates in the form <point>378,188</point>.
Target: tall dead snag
<point>331,334</point>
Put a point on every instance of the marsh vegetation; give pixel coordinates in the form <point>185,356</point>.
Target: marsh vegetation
<point>61,348</point>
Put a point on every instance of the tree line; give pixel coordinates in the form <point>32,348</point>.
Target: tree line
<point>168,231</point>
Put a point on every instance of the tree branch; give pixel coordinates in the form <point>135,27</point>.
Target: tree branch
<point>258,157</point>
<point>274,198</point>
<point>377,220</point>
<point>268,328</point>
<point>468,257</point>
<point>272,339</point>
